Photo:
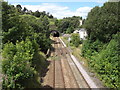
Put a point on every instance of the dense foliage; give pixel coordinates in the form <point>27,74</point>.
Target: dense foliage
<point>106,63</point>
<point>38,14</point>
<point>102,46</point>
<point>68,25</point>
<point>17,64</point>
<point>24,42</point>
<point>22,26</point>
<point>102,22</point>
<point>75,39</point>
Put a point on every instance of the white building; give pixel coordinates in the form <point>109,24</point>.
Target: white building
<point>81,22</point>
<point>82,32</point>
<point>76,31</point>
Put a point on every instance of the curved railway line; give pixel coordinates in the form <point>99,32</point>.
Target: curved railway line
<point>63,71</point>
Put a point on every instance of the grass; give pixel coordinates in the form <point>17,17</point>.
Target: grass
<point>65,40</point>
<point>53,58</point>
<point>77,53</point>
<point>52,21</point>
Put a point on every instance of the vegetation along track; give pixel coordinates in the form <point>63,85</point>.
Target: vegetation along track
<point>62,71</point>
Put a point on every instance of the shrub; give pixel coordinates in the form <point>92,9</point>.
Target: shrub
<point>106,63</point>
<point>75,39</point>
<point>16,64</point>
<point>91,48</point>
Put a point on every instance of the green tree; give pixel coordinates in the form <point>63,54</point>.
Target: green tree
<point>101,47</point>
<point>19,29</point>
<point>16,64</point>
<point>37,13</point>
<point>19,7</point>
<point>25,10</point>
<point>70,30</point>
<point>75,39</point>
<point>68,24</point>
<point>7,12</point>
<point>102,22</point>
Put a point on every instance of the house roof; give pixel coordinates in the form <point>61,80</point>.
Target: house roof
<point>82,29</point>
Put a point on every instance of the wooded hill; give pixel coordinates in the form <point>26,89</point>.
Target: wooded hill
<point>25,43</point>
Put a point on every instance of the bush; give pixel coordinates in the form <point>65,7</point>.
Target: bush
<point>106,63</point>
<point>75,39</point>
<point>17,63</point>
<point>22,60</point>
<point>91,48</point>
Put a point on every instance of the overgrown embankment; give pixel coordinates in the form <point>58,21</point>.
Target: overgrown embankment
<point>25,43</point>
<point>102,44</point>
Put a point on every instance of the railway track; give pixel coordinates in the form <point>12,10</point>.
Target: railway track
<point>59,80</point>
<point>63,72</point>
<point>70,81</point>
<point>77,74</point>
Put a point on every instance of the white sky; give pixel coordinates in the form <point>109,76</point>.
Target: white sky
<point>59,11</point>
<point>58,0</point>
